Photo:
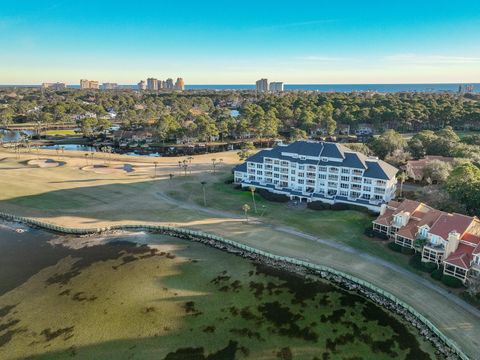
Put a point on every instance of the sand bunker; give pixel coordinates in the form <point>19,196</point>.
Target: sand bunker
<point>105,169</point>
<point>44,163</point>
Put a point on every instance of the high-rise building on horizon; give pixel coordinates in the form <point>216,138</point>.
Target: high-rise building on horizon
<point>169,84</point>
<point>262,85</point>
<point>142,85</point>
<point>89,84</point>
<point>152,84</point>
<point>54,86</point>
<point>179,84</point>
<point>276,86</point>
<point>109,86</point>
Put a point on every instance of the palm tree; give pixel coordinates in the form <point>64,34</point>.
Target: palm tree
<point>204,195</point>
<point>214,162</point>
<point>402,177</point>
<point>245,209</point>
<point>180,166</point>
<point>171,177</point>
<point>185,167</point>
<point>252,190</point>
<point>86,158</point>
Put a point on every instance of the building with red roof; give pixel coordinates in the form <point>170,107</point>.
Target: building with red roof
<point>451,240</point>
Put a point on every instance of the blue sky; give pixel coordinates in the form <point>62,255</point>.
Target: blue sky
<point>222,42</point>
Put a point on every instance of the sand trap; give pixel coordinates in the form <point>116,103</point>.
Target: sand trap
<point>104,169</point>
<point>44,163</point>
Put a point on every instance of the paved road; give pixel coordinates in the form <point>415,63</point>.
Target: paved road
<point>456,318</point>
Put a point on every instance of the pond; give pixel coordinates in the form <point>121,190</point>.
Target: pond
<point>156,297</point>
<point>9,135</point>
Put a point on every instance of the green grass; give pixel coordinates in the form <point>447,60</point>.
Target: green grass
<point>342,226</point>
<point>61,132</point>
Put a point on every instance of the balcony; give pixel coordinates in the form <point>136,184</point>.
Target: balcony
<point>435,247</point>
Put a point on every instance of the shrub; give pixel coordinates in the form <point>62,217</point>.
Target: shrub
<point>452,282</point>
<point>437,274</point>
<point>394,247</point>
<point>417,263</point>
<point>372,233</point>
<point>267,195</point>
<point>407,251</point>
<point>318,205</point>
<point>229,180</point>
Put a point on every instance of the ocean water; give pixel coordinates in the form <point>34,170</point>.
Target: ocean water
<point>382,88</point>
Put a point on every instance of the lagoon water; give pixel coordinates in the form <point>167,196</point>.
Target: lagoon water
<point>174,299</point>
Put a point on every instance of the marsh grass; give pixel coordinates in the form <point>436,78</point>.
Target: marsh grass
<point>186,300</point>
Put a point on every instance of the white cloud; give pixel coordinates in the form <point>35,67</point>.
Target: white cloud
<point>431,59</point>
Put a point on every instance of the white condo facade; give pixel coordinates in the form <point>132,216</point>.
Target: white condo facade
<point>320,171</point>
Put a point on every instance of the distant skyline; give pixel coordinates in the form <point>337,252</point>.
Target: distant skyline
<point>306,42</point>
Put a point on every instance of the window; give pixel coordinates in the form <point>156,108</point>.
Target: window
<point>343,193</point>
<point>323,168</point>
<point>276,176</point>
<point>276,169</point>
<point>259,172</point>
<point>367,188</point>
<point>324,159</point>
<point>259,166</point>
<point>292,172</point>
<point>345,178</point>
<point>276,162</point>
<point>301,167</point>
<point>367,181</point>
<point>301,174</point>
<point>344,186</point>
<point>345,171</point>
<point>300,181</point>
<point>303,157</point>
<point>322,176</point>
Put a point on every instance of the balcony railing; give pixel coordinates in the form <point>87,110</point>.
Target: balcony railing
<point>435,247</point>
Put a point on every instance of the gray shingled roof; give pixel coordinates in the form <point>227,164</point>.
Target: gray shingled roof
<point>241,167</point>
<point>377,169</point>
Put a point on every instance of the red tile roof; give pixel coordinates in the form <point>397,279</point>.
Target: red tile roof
<point>462,257</point>
<point>451,222</point>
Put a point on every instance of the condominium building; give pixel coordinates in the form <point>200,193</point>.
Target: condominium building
<point>276,86</point>
<point>54,86</point>
<point>452,240</point>
<point>89,84</point>
<point>179,84</point>
<point>262,85</point>
<point>169,84</point>
<point>109,86</point>
<point>142,85</point>
<point>152,84</point>
<point>320,171</point>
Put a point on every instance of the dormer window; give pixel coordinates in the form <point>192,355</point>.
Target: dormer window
<point>303,157</point>
<point>324,159</point>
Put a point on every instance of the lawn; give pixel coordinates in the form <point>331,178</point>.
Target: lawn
<point>61,132</point>
<point>341,226</point>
